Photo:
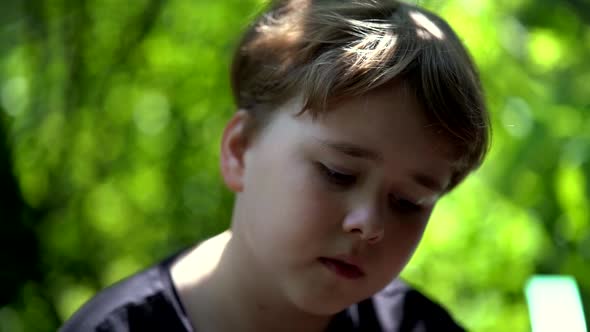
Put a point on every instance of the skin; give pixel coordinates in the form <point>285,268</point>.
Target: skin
<point>358,182</point>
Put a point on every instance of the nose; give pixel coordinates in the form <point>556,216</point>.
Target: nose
<point>365,223</point>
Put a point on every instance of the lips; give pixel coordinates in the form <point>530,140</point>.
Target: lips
<point>343,269</point>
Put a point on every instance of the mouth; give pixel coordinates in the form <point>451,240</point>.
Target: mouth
<point>341,268</point>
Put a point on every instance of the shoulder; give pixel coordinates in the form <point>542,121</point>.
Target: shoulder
<point>401,308</point>
<point>143,302</point>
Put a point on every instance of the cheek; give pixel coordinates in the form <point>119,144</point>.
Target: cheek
<point>408,236</point>
<point>317,210</point>
<point>399,245</point>
<point>289,206</point>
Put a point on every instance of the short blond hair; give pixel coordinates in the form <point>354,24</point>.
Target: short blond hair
<point>324,50</point>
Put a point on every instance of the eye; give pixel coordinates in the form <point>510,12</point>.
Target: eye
<point>336,177</point>
<point>402,205</point>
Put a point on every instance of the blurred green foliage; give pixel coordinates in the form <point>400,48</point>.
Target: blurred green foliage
<point>111,113</point>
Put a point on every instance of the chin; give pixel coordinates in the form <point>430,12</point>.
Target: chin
<point>324,309</point>
<point>324,305</point>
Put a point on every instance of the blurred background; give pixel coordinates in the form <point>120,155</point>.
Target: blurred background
<point>111,114</point>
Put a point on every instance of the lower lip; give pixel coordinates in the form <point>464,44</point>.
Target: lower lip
<point>344,270</point>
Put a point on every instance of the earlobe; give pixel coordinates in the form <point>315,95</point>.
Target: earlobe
<point>233,146</point>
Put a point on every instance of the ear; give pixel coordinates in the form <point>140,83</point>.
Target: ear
<point>233,147</point>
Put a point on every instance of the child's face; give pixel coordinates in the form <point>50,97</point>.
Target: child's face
<point>357,184</point>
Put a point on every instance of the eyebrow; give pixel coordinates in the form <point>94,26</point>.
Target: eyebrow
<point>352,150</point>
<point>428,182</point>
<point>357,151</point>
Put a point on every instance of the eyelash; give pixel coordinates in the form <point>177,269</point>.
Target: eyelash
<point>403,205</point>
<point>337,178</point>
<point>344,180</point>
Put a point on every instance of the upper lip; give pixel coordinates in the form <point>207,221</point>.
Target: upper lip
<point>348,259</point>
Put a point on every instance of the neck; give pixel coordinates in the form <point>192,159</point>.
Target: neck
<point>222,290</point>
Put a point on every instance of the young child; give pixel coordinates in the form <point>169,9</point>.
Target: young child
<point>354,118</point>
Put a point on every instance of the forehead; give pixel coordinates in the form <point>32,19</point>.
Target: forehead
<point>388,125</point>
<point>389,115</point>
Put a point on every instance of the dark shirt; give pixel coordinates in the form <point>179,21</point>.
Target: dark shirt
<point>148,302</point>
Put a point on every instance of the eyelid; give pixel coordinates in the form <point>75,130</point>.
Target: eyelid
<point>339,168</point>
<point>404,205</point>
<point>336,176</point>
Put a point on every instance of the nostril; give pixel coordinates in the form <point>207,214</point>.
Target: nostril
<point>375,238</point>
<point>356,231</point>
<point>369,236</point>
<point>364,223</point>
